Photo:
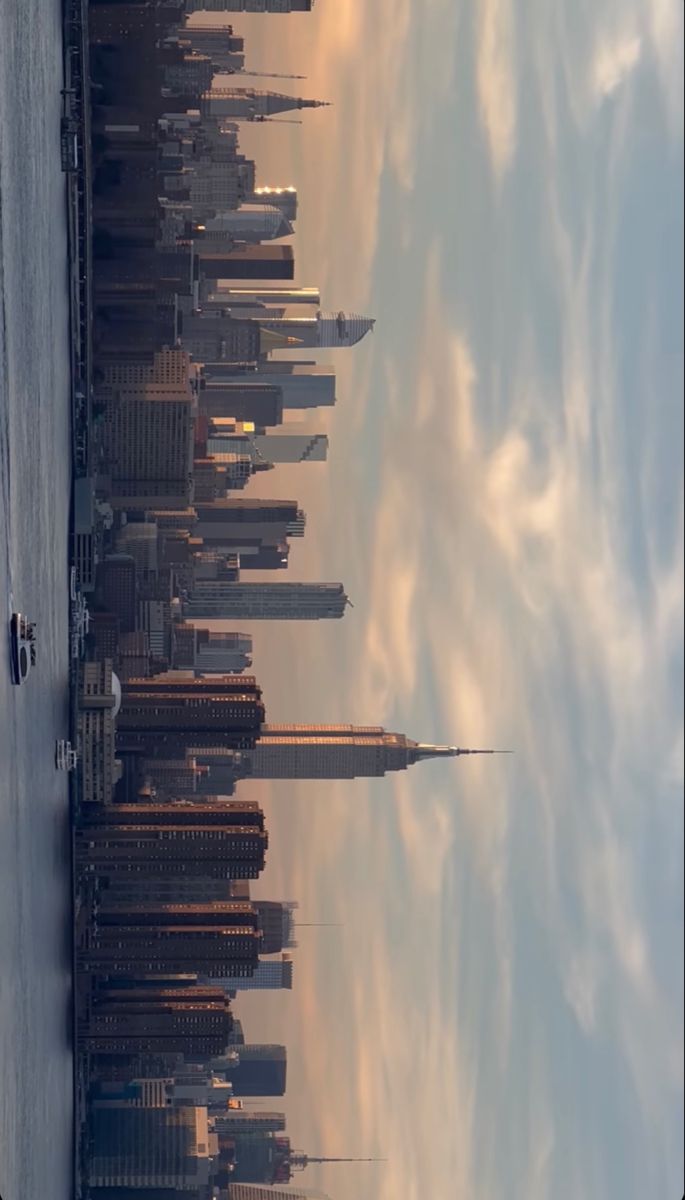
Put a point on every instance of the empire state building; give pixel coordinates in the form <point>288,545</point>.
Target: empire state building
<point>320,752</point>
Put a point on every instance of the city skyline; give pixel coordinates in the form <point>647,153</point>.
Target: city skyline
<point>464,961</point>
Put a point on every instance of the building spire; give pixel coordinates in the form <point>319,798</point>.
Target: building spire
<point>299,1161</point>
<point>425,750</point>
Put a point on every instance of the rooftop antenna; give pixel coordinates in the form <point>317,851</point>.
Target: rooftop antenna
<point>267,75</point>
<point>318,924</point>
<point>298,1160</point>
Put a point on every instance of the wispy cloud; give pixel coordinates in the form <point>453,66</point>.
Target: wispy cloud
<point>497,78</point>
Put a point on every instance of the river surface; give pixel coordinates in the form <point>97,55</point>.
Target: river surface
<point>35,976</point>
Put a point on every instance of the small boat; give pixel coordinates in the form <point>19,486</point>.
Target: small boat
<point>66,757</point>
<point>22,647</point>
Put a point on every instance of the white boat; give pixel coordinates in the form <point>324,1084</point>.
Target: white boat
<point>22,647</point>
<point>66,757</point>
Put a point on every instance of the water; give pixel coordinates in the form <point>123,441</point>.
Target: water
<point>35,1049</point>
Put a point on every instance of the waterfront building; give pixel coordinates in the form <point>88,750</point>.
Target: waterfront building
<point>139,539</point>
<point>98,703</point>
<point>170,369</point>
<point>148,446</point>
<point>163,715</point>
<point>133,655</point>
<point>146,1148</point>
<point>218,939</point>
<point>185,851</point>
<point>116,588</point>
<point>193,1021</point>
<point>216,840</point>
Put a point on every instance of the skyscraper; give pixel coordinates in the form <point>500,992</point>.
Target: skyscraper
<point>284,198</point>
<point>226,435</point>
<point>249,6</point>
<point>148,446</point>
<point>249,223</point>
<point>272,974</point>
<point>208,652</point>
<point>249,104</point>
<point>276,924</point>
<point>221,840</point>
<point>167,1020</point>
<point>259,1071</point>
<point>218,42</point>
<point>162,715</point>
<point>137,940</point>
<point>320,752</point>
<point>291,447</point>
<point>235,522</point>
<point>144,1148</point>
<point>337,752</point>
<point>257,299</point>
<point>270,602</point>
<point>256,1191</point>
<point>250,262</point>
<point>326,331</point>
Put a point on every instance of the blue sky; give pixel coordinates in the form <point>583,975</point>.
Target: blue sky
<point>500,184</point>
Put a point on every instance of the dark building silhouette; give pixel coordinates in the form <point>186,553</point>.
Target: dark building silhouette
<point>167,1020</point>
<point>147,939</point>
<point>171,841</point>
<point>260,1071</point>
<point>163,716</point>
<point>248,262</point>
<point>116,589</point>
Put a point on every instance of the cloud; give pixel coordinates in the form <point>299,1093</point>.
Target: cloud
<point>496,78</point>
<point>614,61</point>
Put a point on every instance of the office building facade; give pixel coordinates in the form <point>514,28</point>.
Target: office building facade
<point>270,602</point>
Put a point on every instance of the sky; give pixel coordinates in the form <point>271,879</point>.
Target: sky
<point>498,1011</point>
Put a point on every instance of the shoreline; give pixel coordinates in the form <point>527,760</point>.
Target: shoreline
<point>76,111</point>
